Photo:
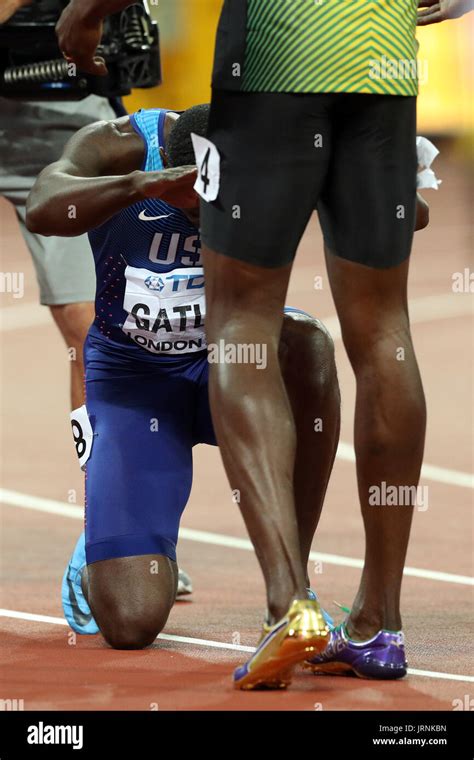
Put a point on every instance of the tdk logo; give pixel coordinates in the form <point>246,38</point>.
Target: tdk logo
<point>189,282</point>
<point>153,282</point>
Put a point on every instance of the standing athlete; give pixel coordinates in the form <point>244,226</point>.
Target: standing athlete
<point>322,97</point>
<point>147,379</point>
<point>301,93</point>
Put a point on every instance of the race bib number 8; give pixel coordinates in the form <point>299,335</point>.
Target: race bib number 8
<point>208,163</point>
<point>82,433</point>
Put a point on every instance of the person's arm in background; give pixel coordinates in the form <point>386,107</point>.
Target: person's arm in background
<point>96,177</point>
<point>79,31</point>
<point>9,7</point>
<point>442,10</point>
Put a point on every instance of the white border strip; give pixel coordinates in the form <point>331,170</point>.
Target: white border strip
<point>215,644</point>
<point>424,309</point>
<point>24,501</point>
<point>346,453</point>
<point>448,305</point>
<point>165,636</point>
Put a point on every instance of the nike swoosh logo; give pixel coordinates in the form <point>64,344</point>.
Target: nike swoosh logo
<point>79,616</point>
<point>144,218</point>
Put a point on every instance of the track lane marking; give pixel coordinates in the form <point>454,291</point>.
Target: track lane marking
<point>165,636</point>
<point>422,310</point>
<point>39,504</point>
<point>447,305</point>
<point>215,644</point>
<point>23,316</point>
<point>346,452</point>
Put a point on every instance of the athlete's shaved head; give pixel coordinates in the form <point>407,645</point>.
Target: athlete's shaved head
<point>179,146</point>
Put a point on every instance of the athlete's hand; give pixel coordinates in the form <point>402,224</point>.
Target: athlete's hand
<point>9,7</point>
<point>174,186</point>
<point>441,10</point>
<point>79,37</point>
<point>422,213</point>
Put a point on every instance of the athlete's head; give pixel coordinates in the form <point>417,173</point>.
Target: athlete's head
<point>179,149</point>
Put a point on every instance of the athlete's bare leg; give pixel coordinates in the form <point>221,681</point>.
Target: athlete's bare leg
<point>310,376</point>
<point>253,420</point>
<point>390,422</point>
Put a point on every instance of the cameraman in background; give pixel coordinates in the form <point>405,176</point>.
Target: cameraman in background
<point>33,134</point>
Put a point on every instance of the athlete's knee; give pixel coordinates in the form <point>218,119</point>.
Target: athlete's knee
<point>371,340</point>
<point>74,320</point>
<point>307,351</point>
<point>127,628</point>
<point>124,633</point>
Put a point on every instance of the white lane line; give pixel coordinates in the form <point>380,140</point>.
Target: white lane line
<point>39,504</point>
<point>219,539</point>
<point>31,616</point>
<point>434,674</point>
<point>24,501</point>
<point>447,305</point>
<point>346,453</point>
<point>424,309</point>
<point>165,636</point>
<point>20,316</point>
<point>214,644</point>
<point>447,476</point>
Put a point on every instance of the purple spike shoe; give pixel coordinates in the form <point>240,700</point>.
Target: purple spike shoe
<point>382,656</point>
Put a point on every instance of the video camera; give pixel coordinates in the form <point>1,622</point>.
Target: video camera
<point>33,68</point>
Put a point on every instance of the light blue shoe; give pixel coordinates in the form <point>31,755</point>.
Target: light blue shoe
<point>76,610</point>
<point>327,617</point>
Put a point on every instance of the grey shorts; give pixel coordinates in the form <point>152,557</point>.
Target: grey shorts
<point>32,137</point>
<point>64,266</point>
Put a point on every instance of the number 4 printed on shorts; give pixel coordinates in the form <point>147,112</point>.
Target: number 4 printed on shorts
<point>208,163</point>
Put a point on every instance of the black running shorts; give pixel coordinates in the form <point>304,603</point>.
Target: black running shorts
<point>351,156</point>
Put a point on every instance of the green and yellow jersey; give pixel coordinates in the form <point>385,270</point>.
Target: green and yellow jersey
<point>311,46</point>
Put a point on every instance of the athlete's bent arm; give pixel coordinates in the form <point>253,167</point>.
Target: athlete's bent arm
<point>96,177</point>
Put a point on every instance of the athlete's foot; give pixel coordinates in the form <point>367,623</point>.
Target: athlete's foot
<point>301,633</point>
<point>382,656</point>
<point>76,609</point>
<point>365,622</point>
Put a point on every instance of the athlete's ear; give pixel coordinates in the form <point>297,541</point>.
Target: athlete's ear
<point>164,157</point>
